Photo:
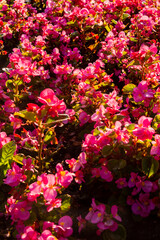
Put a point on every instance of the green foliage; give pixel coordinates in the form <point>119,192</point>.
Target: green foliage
<point>116,164</point>
<point>107,150</point>
<point>119,234</point>
<point>128,88</point>
<point>66,203</point>
<point>150,166</point>
<point>6,156</point>
<point>31,116</point>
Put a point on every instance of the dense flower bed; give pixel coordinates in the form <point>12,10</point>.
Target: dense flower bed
<point>79,114</point>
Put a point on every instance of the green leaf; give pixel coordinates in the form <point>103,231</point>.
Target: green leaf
<point>49,136</point>
<point>18,158</point>
<point>66,203</point>
<point>52,121</point>
<point>107,28</point>
<point>116,164</point>
<point>119,234</point>
<point>126,15</point>
<point>107,150</point>
<point>9,84</point>
<point>72,23</point>
<point>114,21</point>
<point>96,132</point>
<point>128,88</point>
<point>157,118</point>
<point>118,118</point>
<point>150,166</point>
<point>130,127</point>
<point>31,116</point>
<point>6,156</point>
<point>133,39</point>
<point>7,152</point>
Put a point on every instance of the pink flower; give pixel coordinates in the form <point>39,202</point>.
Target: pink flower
<point>73,164</point>
<point>90,143</point>
<point>143,130</point>
<point>64,229</point>
<point>99,114</point>
<point>49,98</point>
<point>143,206</point>
<point>15,122</point>
<point>14,176</point>
<point>27,165</point>
<point>91,210</point>
<point>79,177</point>
<point>63,177</point>
<point>155,150</point>
<point>9,106</point>
<point>49,190</point>
<point>121,183</point>
<point>54,203</point>
<point>98,215</point>
<point>81,223</point>
<point>132,180</point>
<point>29,234</point>
<point>47,235</point>
<point>141,184</point>
<point>142,92</point>
<point>114,212</point>
<point>83,117</point>
<point>20,211</point>
<point>36,187</point>
<point>39,41</point>
<point>106,174</point>
<point>4,139</point>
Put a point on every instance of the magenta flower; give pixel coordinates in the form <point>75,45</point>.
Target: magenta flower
<point>114,212</point>
<point>142,92</point>
<point>132,180</point>
<point>83,117</point>
<point>81,223</point>
<point>47,235</point>
<point>99,114</point>
<point>14,176</point>
<point>143,130</point>
<point>15,122</point>
<point>27,165</point>
<point>141,184</point>
<point>49,98</point>
<point>29,234</point>
<point>106,174</point>
<point>79,177</point>
<point>91,210</point>
<point>98,215</point>
<point>73,164</point>
<point>137,208</point>
<point>63,177</point>
<point>121,183</point>
<point>55,203</point>
<point>36,187</point>
<point>4,139</point>
<point>20,211</point>
<point>64,227</point>
<point>155,150</point>
<point>143,206</point>
<point>49,190</point>
<point>90,144</point>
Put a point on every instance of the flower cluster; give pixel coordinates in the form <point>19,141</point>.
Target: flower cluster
<point>80,108</point>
